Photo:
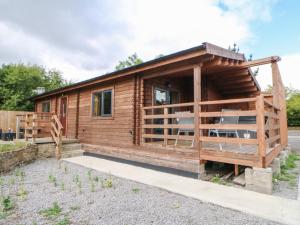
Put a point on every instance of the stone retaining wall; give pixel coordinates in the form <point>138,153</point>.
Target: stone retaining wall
<point>46,150</point>
<point>8,160</point>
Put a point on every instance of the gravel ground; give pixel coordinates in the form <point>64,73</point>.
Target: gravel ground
<point>126,202</point>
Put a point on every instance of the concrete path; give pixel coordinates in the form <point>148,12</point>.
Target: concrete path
<point>294,140</point>
<point>269,207</point>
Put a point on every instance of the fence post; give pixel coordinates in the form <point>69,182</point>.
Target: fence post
<point>18,128</point>
<point>34,127</point>
<point>260,122</point>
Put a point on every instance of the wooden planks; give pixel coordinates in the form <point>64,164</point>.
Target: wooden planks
<point>8,119</point>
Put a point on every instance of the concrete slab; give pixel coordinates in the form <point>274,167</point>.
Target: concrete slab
<point>240,180</point>
<point>273,208</point>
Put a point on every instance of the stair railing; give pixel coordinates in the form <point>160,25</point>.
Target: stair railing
<point>56,133</point>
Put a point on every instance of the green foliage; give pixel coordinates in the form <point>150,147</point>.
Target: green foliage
<point>89,174</point>
<point>52,179</point>
<point>22,192</point>
<point>6,204</point>
<point>18,82</point>
<point>293,105</point>
<point>290,162</point>
<point>20,173</point>
<point>92,184</point>
<point>293,110</point>
<point>131,60</point>
<point>218,180</point>
<point>285,174</point>
<point>135,190</point>
<point>62,186</point>
<point>107,183</point>
<point>53,211</point>
<point>12,146</point>
<point>64,221</point>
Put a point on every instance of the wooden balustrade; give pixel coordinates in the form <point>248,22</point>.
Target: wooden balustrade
<point>160,127</point>
<point>40,124</point>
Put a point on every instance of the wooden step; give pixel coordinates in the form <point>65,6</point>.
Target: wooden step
<point>73,153</point>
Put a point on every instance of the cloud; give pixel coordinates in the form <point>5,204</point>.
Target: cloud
<point>87,38</point>
<point>289,71</point>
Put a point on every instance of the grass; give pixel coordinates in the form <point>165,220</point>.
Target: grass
<point>285,173</point>
<point>52,179</point>
<point>6,204</point>
<point>22,193</point>
<point>107,183</point>
<point>64,221</point>
<point>51,212</point>
<point>218,180</point>
<point>7,147</point>
<point>136,190</point>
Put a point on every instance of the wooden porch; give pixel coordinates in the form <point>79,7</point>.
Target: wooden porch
<point>255,140</point>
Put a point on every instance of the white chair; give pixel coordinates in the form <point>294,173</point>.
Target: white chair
<point>184,121</point>
<point>226,120</point>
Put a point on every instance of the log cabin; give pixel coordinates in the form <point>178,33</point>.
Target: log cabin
<point>178,111</point>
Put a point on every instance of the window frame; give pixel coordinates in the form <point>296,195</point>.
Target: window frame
<point>101,116</point>
<point>43,102</point>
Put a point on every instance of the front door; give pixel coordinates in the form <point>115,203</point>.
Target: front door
<point>63,113</point>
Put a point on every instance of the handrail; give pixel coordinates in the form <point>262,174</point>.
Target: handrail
<point>227,101</point>
<point>169,106</point>
<point>56,133</point>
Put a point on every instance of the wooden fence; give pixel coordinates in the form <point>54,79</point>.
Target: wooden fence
<point>8,119</point>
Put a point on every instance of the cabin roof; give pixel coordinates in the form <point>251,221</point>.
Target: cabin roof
<point>198,51</point>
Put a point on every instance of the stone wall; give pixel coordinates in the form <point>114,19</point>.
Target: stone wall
<point>8,160</point>
<point>46,150</point>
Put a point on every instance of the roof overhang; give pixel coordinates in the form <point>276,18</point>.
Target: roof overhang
<point>229,58</point>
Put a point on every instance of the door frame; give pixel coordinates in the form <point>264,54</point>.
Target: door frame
<point>59,112</point>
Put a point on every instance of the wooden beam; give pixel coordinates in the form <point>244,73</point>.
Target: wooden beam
<point>229,86</point>
<point>260,122</point>
<point>241,90</point>
<point>237,80</point>
<point>236,170</point>
<point>234,87</point>
<point>197,107</point>
<point>77,113</point>
<point>259,62</point>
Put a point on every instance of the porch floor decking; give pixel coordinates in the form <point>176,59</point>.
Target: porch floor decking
<point>48,140</point>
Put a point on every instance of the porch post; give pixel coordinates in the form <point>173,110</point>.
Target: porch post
<point>279,101</point>
<point>197,109</point>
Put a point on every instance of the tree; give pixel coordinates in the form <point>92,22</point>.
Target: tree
<point>131,60</point>
<point>293,109</point>
<point>293,104</point>
<point>18,83</point>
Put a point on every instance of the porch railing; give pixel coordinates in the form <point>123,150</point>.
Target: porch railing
<point>253,141</point>
<point>40,124</point>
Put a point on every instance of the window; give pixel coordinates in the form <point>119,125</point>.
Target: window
<point>161,96</point>
<point>46,106</point>
<point>102,103</point>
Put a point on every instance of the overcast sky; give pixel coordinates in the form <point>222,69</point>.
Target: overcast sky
<point>84,39</point>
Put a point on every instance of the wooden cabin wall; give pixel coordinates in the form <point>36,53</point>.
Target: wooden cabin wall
<point>116,130</point>
<point>71,115</point>
<point>52,104</point>
<point>182,85</point>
